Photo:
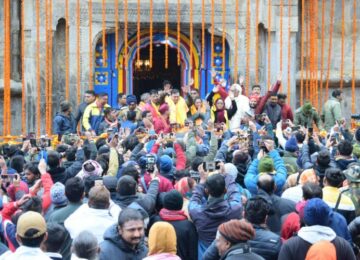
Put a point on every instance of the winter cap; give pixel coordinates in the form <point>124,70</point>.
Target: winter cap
<point>307,107</point>
<point>163,108</point>
<point>356,150</point>
<point>322,250</point>
<point>291,145</point>
<point>299,207</point>
<point>291,226</point>
<point>166,164</point>
<point>104,149</point>
<point>110,183</point>
<point>316,212</point>
<point>65,106</point>
<point>266,165</point>
<point>173,200</point>
<point>162,238</point>
<point>254,97</point>
<point>202,150</point>
<point>236,231</point>
<point>352,173</point>
<point>131,99</point>
<point>16,192</point>
<point>57,194</point>
<point>31,220</point>
<point>169,152</point>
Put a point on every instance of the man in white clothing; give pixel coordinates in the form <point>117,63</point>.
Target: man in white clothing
<point>30,233</point>
<point>242,104</point>
<point>95,216</point>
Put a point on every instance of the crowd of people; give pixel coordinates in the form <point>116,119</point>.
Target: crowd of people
<point>174,176</point>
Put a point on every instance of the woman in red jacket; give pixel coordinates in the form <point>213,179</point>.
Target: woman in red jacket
<point>162,122</point>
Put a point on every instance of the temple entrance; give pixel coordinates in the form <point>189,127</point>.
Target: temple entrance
<point>146,78</point>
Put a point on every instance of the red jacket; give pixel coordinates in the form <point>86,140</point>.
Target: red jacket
<point>180,155</point>
<point>161,126</point>
<point>286,113</point>
<point>261,104</point>
<point>164,186</point>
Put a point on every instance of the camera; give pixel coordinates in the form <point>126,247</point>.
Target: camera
<point>355,116</point>
<point>150,163</point>
<point>209,166</point>
<point>195,175</point>
<point>262,145</point>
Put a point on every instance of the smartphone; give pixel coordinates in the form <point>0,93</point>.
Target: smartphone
<point>217,165</point>
<point>310,131</point>
<point>210,166</point>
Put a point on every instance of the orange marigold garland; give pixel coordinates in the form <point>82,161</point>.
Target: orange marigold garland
<point>167,34</point>
<point>281,36</point>
<point>223,35</point>
<point>191,36</point>
<point>203,33</point>
<point>78,47</point>
<point>322,50</point>
<point>353,59</point>
<point>126,31</point>
<point>50,65</point>
<point>256,42</point>
<point>138,32</point>
<point>342,43</point>
<point>236,41</point>
<point>289,54</point>
<point>23,86</point>
<point>269,46</point>
<point>38,82</point>
<point>151,34</point>
<point>7,69</point>
<point>248,14</point>
<point>103,24</point>
<point>116,3</point>
<point>178,33</point>
<point>90,46</point>
<point>67,49</point>
<point>47,67</point>
<point>330,47</point>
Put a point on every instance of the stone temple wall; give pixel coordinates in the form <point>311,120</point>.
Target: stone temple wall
<point>158,18</point>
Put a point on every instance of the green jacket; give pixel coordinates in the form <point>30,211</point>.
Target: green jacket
<point>306,120</point>
<point>331,113</point>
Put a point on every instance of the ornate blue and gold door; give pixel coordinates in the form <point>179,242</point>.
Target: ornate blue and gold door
<point>106,73</point>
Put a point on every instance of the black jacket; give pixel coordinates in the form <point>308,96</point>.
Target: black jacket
<point>186,237</point>
<point>296,248</point>
<point>240,251</point>
<point>114,247</point>
<point>278,208</point>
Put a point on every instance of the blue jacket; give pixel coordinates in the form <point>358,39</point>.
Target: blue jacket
<point>252,175</point>
<point>114,247</point>
<point>64,124</point>
<point>208,215</point>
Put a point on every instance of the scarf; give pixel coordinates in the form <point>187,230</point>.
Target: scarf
<point>220,116</point>
<point>193,109</point>
<point>172,215</point>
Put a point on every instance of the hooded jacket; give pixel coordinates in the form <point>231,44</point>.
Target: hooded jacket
<point>114,247</point>
<point>296,247</point>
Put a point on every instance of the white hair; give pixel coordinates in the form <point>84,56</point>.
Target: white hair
<point>237,87</point>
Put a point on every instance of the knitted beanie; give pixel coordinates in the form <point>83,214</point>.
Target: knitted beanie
<point>236,231</point>
<point>316,212</point>
<point>57,194</point>
<point>173,200</point>
<point>266,165</point>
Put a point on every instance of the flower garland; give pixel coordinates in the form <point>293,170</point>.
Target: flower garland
<point>38,82</point>
<point>178,33</point>
<point>191,35</point>
<point>126,31</point>
<point>322,50</point>
<point>138,32</point>
<point>23,87</point>
<point>203,34</point>
<point>269,46</point>
<point>116,7</point>
<point>281,37</point>
<point>236,39</point>
<point>167,35</point>
<point>90,46</point>
<point>353,59</point>
<point>103,25</point>
<point>289,54</point>
<point>78,47</point>
<point>330,47</point>
<point>342,43</point>
<point>151,34</point>
<point>47,68</point>
<point>248,14</point>
<point>67,49</point>
<point>7,69</point>
<point>212,31</point>
<point>223,35</point>
<point>256,42</point>
<point>50,66</point>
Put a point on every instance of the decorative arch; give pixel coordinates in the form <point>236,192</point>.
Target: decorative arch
<point>125,70</point>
